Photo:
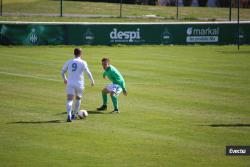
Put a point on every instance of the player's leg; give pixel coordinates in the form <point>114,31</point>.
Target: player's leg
<point>77,105</point>
<point>105,93</point>
<point>115,91</point>
<point>78,91</point>
<point>73,108</point>
<point>69,102</point>
<point>105,96</point>
<point>114,99</point>
<point>78,99</point>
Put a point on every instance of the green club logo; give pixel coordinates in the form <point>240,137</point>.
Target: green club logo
<point>88,37</point>
<point>166,37</point>
<point>33,38</point>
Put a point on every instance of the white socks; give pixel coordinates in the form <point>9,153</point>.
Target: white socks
<point>77,105</point>
<point>69,106</point>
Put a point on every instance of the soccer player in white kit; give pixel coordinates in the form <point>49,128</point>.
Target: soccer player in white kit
<point>75,82</point>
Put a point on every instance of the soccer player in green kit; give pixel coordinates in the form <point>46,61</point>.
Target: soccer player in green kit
<point>113,89</point>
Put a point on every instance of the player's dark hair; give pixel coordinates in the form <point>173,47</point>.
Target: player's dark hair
<point>77,52</point>
<point>105,59</point>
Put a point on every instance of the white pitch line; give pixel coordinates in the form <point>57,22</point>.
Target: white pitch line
<point>56,80</point>
<point>122,23</point>
<point>29,76</point>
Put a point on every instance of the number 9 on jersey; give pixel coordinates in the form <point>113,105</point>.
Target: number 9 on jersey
<point>74,67</point>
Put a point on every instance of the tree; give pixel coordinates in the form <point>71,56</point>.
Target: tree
<point>202,2</point>
<point>187,2</point>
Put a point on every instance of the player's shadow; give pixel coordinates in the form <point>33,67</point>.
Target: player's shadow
<point>89,112</point>
<point>234,52</point>
<point>61,113</point>
<point>95,112</point>
<point>37,122</point>
<point>228,125</point>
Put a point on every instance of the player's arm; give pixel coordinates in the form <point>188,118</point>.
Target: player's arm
<point>86,69</point>
<point>64,70</point>
<point>124,90</point>
<point>104,75</point>
<point>122,83</point>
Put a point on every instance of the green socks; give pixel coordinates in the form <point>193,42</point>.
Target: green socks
<point>113,98</point>
<point>115,101</point>
<point>104,99</point>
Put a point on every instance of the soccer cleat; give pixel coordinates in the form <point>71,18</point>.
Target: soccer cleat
<point>73,117</point>
<point>115,111</point>
<point>103,107</point>
<point>69,119</point>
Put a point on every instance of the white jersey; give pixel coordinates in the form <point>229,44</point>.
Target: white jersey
<point>75,69</point>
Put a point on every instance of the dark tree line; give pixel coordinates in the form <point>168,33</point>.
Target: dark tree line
<point>145,2</point>
<point>219,3</point>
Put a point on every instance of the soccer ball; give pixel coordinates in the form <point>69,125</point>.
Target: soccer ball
<point>82,114</point>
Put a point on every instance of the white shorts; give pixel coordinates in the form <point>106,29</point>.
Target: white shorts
<point>74,90</point>
<point>114,88</point>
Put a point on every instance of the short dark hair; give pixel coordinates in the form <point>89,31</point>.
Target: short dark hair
<point>105,59</point>
<point>77,52</point>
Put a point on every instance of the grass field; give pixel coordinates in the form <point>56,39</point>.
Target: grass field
<point>77,19</point>
<point>185,104</point>
<point>110,9</point>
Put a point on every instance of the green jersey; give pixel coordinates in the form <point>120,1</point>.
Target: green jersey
<point>115,76</point>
